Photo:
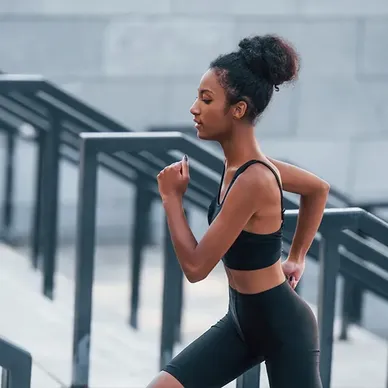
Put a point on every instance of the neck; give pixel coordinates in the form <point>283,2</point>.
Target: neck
<point>240,147</point>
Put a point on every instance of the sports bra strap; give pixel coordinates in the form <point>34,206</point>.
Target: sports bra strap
<point>240,170</point>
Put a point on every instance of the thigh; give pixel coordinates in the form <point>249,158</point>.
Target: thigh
<point>294,369</point>
<point>292,356</point>
<point>214,359</point>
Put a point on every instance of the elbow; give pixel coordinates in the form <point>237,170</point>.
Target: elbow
<point>321,189</point>
<point>195,276</point>
<point>324,187</point>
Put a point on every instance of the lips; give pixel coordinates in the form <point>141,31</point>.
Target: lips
<point>197,123</point>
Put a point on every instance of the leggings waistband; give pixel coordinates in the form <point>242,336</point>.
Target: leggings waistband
<point>264,295</point>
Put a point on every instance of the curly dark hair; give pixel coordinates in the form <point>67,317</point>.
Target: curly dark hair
<point>251,74</point>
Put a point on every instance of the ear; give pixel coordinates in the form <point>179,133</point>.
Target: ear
<point>239,110</point>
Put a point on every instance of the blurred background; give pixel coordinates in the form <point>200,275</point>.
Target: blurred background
<point>140,63</point>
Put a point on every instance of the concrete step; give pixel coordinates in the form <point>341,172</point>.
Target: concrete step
<point>120,356</point>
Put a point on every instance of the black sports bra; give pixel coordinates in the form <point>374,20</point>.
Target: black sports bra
<point>250,251</point>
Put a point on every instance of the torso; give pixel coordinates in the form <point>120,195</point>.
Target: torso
<point>252,263</point>
<point>254,282</point>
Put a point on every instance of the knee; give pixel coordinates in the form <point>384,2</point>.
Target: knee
<point>164,380</point>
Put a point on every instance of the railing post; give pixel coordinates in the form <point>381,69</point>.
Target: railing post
<point>172,302</point>
<point>20,377</point>
<point>329,267</point>
<point>85,239</point>
<point>180,300</point>
<point>36,230</point>
<point>141,226</point>
<point>386,378</point>
<point>5,378</point>
<point>347,307</point>
<point>358,293</point>
<point>50,208</point>
<point>250,379</point>
<point>8,200</point>
<point>16,366</point>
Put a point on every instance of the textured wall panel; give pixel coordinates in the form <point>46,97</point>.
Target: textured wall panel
<point>167,46</point>
<point>374,52</point>
<point>52,47</point>
<point>85,7</point>
<point>135,102</point>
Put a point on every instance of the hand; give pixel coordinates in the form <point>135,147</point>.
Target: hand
<point>293,269</point>
<point>174,179</point>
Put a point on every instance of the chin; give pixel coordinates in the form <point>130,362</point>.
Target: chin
<point>200,134</point>
<point>203,135</point>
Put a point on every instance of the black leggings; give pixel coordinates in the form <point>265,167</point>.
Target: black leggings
<point>275,326</point>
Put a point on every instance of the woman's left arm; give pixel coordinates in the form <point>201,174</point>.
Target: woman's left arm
<point>313,193</point>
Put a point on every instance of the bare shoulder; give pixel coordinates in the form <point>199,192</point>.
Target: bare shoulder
<point>266,181</point>
<point>256,184</point>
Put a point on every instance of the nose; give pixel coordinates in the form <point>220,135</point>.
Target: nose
<point>194,110</point>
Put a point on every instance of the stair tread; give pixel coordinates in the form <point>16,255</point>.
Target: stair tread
<point>122,357</point>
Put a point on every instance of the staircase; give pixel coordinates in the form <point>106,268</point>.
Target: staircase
<point>122,357</point>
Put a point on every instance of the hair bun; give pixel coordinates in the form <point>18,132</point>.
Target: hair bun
<point>270,57</point>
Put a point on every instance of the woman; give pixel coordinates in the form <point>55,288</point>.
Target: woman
<point>266,320</point>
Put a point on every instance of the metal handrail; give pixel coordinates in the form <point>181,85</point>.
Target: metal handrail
<point>17,365</point>
<point>92,144</point>
<point>58,118</point>
<point>51,110</point>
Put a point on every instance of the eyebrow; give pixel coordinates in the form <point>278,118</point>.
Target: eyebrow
<point>204,91</point>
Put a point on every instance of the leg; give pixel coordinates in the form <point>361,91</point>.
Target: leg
<point>214,359</point>
<point>294,369</point>
<point>165,380</point>
<point>293,348</point>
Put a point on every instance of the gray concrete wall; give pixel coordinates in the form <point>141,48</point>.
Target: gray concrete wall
<point>141,63</point>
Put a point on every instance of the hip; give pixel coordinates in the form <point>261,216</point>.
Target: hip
<point>276,318</point>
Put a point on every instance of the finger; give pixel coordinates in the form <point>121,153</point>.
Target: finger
<point>173,167</point>
<point>291,280</point>
<point>185,166</point>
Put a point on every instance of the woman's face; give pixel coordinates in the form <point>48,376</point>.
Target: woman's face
<point>211,114</point>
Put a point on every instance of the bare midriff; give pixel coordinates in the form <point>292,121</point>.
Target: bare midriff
<point>256,281</point>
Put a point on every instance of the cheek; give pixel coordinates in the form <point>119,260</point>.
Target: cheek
<point>221,120</point>
<point>217,114</point>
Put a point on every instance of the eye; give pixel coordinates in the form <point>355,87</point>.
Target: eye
<point>207,101</point>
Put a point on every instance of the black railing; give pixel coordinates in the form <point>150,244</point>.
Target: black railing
<point>58,119</point>
<point>91,146</point>
<point>8,195</point>
<point>335,221</point>
<point>16,364</point>
<point>353,290</point>
<point>335,256</point>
